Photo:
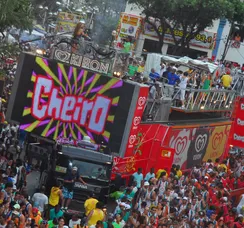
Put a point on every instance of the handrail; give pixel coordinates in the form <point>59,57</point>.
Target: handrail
<point>195,100</point>
<point>202,90</point>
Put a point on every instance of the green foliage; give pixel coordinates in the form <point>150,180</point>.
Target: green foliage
<point>9,50</point>
<point>192,16</point>
<point>15,13</point>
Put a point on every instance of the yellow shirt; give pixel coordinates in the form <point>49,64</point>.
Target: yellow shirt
<point>90,205</point>
<point>98,215</point>
<point>54,196</point>
<point>158,174</point>
<point>141,69</point>
<point>226,80</point>
<point>179,173</point>
<point>223,166</point>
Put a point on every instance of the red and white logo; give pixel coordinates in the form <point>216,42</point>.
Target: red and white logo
<point>132,139</point>
<point>137,120</point>
<point>180,145</point>
<point>142,101</point>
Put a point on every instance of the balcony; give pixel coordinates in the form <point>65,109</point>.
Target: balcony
<point>200,100</point>
<point>196,101</point>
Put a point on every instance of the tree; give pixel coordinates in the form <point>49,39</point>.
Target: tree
<point>15,13</point>
<point>190,16</point>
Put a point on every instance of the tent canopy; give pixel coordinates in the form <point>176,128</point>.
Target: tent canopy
<point>195,63</point>
<point>154,60</point>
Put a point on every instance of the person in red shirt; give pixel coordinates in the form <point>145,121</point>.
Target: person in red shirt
<point>239,223</point>
<point>224,180</point>
<point>225,208</point>
<point>232,218</point>
<point>230,181</point>
<point>240,182</point>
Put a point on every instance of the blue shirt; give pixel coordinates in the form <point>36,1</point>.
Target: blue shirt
<point>149,176</point>
<point>138,178</point>
<point>172,78</point>
<point>154,75</point>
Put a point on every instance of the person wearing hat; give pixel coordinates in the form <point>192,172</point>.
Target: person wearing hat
<point>17,216</point>
<point>36,216</point>
<point>183,206</point>
<point>69,182</point>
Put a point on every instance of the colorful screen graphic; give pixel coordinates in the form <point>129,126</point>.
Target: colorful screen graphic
<point>62,102</point>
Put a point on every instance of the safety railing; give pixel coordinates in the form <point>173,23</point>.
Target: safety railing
<point>195,100</point>
<point>201,100</point>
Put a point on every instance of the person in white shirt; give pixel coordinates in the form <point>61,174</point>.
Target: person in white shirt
<point>15,149</point>
<point>74,221</point>
<point>150,174</point>
<point>163,69</point>
<point>183,83</point>
<point>40,200</point>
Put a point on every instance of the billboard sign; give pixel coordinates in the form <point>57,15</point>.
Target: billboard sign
<point>129,26</point>
<point>62,102</point>
<point>204,39</point>
<point>66,22</point>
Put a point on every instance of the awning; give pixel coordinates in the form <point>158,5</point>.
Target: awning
<point>206,66</point>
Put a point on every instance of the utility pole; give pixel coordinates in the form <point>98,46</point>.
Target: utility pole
<point>228,42</point>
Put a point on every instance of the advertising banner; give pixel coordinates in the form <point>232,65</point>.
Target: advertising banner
<point>147,151</point>
<point>205,39</point>
<point>66,22</point>
<point>238,125</point>
<point>59,101</point>
<point>139,109</point>
<point>129,25</point>
<point>196,144</point>
<point>217,142</point>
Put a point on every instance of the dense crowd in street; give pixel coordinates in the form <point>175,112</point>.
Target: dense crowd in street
<point>200,197</point>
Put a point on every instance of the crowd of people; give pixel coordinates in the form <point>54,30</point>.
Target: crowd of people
<point>175,81</point>
<point>200,198</point>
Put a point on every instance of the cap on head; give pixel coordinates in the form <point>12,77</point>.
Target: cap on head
<point>74,168</point>
<point>16,206</point>
<point>146,183</point>
<point>35,210</point>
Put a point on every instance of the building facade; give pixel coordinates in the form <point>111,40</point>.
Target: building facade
<point>211,43</point>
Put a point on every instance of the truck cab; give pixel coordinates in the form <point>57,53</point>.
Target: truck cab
<point>94,167</point>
